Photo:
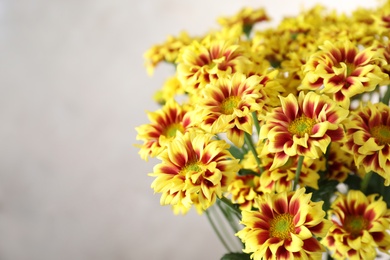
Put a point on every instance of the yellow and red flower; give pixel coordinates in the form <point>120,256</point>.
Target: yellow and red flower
<point>341,70</point>
<point>244,190</point>
<point>247,16</point>
<point>282,178</point>
<point>340,163</point>
<point>163,126</point>
<point>303,126</point>
<point>368,138</point>
<point>227,106</point>
<point>360,226</point>
<point>284,227</point>
<point>167,51</point>
<point>194,165</point>
<point>203,62</point>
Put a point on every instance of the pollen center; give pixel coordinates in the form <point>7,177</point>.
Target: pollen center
<point>228,105</point>
<point>381,134</point>
<point>301,125</point>
<point>355,225</point>
<point>191,168</point>
<point>281,226</point>
<point>170,131</point>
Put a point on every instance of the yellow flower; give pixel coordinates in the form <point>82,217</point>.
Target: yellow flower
<point>168,51</point>
<point>195,169</point>
<point>246,17</point>
<point>201,63</point>
<point>282,178</point>
<point>368,138</point>
<point>340,163</point>
<point>284,227</point>
<point>360,226</point>
<point>164,125</point>
<point>227,106</point>
<point>170,90</point>
<point>341,70</point>
<point>244,190</point>
<point>303,126</point>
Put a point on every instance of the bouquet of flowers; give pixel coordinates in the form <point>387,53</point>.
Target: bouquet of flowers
<point>284,131</point>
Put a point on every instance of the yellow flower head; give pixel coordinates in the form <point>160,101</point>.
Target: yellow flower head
<point>170,90</point>
<point>343,71</point>
<point>368,138</point>
<point>360,226</point>
<point>284,227</point>
<point>281,178</point>
<point>340,163</point>
<point>244,190</point>
<point>194,164</point>
<point>163,127</point>
<point>168,51</point>
<point>246,17</point>
<point>201,63</point>
<point>303,126</point>
<point>227,106</point>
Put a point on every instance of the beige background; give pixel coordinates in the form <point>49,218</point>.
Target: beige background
<point>73,87</point>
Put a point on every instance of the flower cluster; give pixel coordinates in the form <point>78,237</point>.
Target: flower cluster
<point>286,130</point>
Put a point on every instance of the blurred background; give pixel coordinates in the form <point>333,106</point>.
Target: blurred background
<point>73,88</point>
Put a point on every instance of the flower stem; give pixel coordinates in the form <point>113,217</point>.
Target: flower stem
<point>298,171</point>
<point>232,219</point>
<point>385,99</point>
<point>249,142</point>
<point>256,122</point>
<point>365,181</point>
<point>217,231</point>
<point>228,203</point>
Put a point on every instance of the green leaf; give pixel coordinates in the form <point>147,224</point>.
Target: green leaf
<point>353,182</point>
<point>243,172</point>
<point>236,152</point>
<point>236,256</point>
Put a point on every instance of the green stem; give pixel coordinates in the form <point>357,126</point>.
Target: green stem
<point>256,122</point>
<point>228,203</point>
<point>249,142</point>
<point>386,97</point>
<point>232,219</point>
<point>365,181</point>
<point>217,231</point>
<point>298,171</point>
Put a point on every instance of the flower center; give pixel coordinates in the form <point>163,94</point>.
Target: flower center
<point>170,131</point>
<point>381,134</point>
<point>301,125</point>
<point>191,168</point>
<point>228,105</point>
<point>281,226</point>
<point>355,225</point>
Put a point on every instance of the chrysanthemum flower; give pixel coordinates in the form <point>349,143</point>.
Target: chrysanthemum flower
<point>360,226</point>
<point>170,90</point>
<point>167,51</point>
<point>368,138</point>
<point>194,163</point>
<point>281,179</point>
<point>340,163</point>
<point>163,126</point>
<point>227,106</point>
<point>203,62</point>
<point>303,126</point>
<point>341,70</point>
<point>244,190</point>
<point>246,17</point>
<point>271,86</point>
<point>285,227</point>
